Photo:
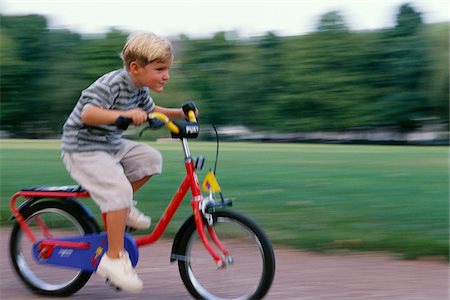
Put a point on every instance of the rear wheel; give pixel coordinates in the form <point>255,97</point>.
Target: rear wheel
<point>251,268</point>
<point>61,219</point>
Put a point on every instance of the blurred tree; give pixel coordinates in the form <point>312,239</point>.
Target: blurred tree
<point>327,86</point>
<point>99,55</point>
<point>401,66</point>
<point>436,85</point>
<point>206,63</point>
<point>331,79</point>
<point>332,21</point>
<point>271,82</point>
<point>25,66</point>
<point>63,79</point>
<point>11,67</point>
<point>408,21</point>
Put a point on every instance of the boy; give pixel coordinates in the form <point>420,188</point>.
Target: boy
<point>111,168</point>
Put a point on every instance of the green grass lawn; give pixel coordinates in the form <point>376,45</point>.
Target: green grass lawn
<point>313,197</point>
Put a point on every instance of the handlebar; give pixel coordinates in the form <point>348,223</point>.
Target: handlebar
<point>165,119</point>
<point>191,116</point>
<point>189,111</point>
<point>188,129</point>
<point>123,122</point>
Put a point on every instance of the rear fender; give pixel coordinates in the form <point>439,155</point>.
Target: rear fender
<point>75,204</point>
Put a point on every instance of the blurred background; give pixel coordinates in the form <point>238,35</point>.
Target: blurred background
<point>340,71</point>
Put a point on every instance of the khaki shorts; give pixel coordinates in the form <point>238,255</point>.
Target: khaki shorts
<point>108,176</point>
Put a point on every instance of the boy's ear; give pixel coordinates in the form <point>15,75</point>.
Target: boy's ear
<point>134,66</point>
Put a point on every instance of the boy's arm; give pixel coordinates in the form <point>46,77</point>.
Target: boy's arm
<point>172,113</point>
<point>94,115</point>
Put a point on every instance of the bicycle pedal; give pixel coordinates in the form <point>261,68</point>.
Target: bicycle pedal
<point>130,229</point>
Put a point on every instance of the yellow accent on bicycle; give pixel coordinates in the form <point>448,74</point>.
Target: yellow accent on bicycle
<point>162,117</point>
<point>210,183</point>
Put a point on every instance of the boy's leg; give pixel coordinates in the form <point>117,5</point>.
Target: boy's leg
<point>115,231</point>
<point>136,219</point>
<point>115,265</point>
<point>139,183</point>
<point>103,177</point>
<point>140,162</point>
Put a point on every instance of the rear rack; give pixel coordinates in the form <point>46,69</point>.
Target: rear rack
<point>32,194</point>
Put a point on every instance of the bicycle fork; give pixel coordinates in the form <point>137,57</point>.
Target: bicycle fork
<point>199,215</point>
<point>198,205</point>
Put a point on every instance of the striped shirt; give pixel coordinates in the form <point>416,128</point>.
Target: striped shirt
<point>114,90</point>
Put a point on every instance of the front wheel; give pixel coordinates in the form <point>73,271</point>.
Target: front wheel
<point>250,269</point>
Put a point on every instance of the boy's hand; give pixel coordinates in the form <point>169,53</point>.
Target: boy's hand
<point>138,116</point>
<point>187,107</point>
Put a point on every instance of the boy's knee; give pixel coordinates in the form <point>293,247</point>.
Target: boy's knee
<point>142,160</point>
<point>116,198</point>
<point>153,161</point>
<point>158,159</point>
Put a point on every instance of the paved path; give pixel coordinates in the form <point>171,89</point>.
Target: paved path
<point>299,275</point>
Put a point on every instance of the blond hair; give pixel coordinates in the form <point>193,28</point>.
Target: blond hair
<point>145,48</point>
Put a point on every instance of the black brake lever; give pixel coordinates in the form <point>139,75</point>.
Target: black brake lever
<point>155,123</point>
<point>143,129</point>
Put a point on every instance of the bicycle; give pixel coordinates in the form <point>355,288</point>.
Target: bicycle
<point>215,247</point>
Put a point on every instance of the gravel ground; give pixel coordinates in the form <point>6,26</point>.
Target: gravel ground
<point>299,275</point>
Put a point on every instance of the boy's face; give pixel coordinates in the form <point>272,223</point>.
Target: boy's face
<point>154,75</point>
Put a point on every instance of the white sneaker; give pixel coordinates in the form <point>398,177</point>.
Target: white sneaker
<point>137,219</point>
<point>120,272</point>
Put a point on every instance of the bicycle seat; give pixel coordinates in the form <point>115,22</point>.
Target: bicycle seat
<point>65,188</point>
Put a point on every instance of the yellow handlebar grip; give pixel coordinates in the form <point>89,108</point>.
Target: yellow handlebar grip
<point>159,116</point>
<point>173,128</point>
<point>191,116</point>
<point>162,117</point>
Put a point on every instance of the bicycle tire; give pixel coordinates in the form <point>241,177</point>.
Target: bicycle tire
<point>250,275</point>
<point>62,219</point>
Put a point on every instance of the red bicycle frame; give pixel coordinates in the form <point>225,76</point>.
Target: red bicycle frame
<point>190,182</point>
<point>28,195</point>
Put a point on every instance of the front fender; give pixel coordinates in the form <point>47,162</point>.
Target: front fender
<point>176,251</point>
